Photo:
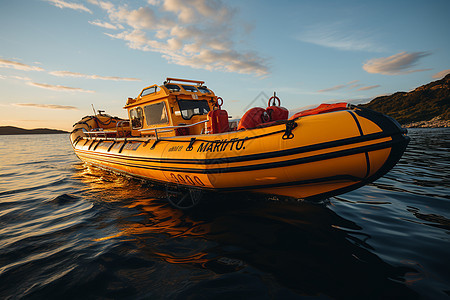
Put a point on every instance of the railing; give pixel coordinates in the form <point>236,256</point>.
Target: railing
<point>169,128</point>
<point>103,133</point>
<point>96,133</point>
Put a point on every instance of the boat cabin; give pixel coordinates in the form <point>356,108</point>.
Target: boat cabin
<point>178,107</point>
<point>182,107</point>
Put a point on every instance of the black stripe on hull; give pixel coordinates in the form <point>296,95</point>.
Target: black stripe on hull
<point>251,157</point>
<point>286,163</point>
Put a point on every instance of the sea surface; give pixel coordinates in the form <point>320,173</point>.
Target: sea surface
<point>70,231</point>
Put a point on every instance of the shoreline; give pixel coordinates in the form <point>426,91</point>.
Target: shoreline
<point>436,122</point>
<point>12,130</point>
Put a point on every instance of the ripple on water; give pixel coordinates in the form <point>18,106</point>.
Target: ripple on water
<point>67,229</point>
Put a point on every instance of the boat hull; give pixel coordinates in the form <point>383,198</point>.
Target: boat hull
<point>311,157</point>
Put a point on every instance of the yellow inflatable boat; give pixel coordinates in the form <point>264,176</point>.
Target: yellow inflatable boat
<point>178,134</point>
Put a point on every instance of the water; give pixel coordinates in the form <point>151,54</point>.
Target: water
<point>71,231</point>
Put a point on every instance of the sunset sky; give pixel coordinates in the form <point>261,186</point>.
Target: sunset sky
<point>57,57</point>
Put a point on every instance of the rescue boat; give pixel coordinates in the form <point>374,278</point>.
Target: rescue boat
<point>178,134</point>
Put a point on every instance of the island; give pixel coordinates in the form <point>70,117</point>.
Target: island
<point>11,130</point>
<point>425,106</point>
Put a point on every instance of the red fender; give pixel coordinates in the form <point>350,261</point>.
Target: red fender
<point>277,113</point>
<point>252,118</point>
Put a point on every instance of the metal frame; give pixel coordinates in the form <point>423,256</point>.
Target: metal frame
<point>168,79</point>
<point>165,129</point>
<point>169,128</point>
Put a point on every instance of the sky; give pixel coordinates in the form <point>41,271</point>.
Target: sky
<point>60,57</point>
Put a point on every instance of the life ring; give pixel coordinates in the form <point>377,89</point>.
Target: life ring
<point>274,98</point>
<point>221,102</point>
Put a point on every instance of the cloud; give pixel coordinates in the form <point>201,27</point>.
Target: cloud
<point>141,18</point>
<point>154,2</point>
<point>18,66</point>
<point>441,74</point>
<point>48,106</point>
<point>105,25</point>
<point>23,78</point>
<point>71,5</point>
<point>194,33</point>
<point>397,64</point>
<point>135,39</point>
<point>340,36</point>
<point>334,88</point>
<point>58,87</point>
<point>351,84</point>
<point>366,88</point>
<point>226,60</point>
<point>194,9</point>
<point>80,75</point>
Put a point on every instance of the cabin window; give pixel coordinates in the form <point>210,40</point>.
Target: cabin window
<point>172,87</point>
<point>136,117</point>
<point>203,90</point>
<point>191,108</point>
<point>150,90</point>
<point>156,113</point>
<point>190,88</point>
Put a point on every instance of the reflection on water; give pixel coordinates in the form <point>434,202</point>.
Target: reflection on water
<point>430,219</point>
<point>70,230</point>
<point>301,248</point>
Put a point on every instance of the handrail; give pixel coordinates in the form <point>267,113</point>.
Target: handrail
<point>122,139</point>
<point>96,132</point>
<point>156,129</point>
<point>104,133</point>
<point>170,128</point>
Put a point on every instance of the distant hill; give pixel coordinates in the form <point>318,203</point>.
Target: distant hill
<point>424,103</point>
<point>11,130</point>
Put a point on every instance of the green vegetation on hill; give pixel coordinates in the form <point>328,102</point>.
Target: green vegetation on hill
<point>422,104</point>
<point>11,130</point>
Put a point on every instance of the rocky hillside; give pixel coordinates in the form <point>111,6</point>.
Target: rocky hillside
<point>11,130</point>
<point>430,101</point>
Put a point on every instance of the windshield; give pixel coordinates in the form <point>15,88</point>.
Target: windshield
<point>150,90</point>
<point>191,108</point>
<point>189,88</point>
<point>156,113</point>
<point>172,87</point>
<point>204,90</point>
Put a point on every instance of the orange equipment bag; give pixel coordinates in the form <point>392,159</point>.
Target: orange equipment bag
<point>322,108</point>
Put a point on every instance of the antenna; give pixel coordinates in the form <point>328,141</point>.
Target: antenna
<point>95,114</point>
